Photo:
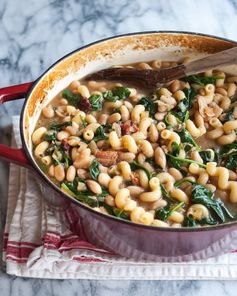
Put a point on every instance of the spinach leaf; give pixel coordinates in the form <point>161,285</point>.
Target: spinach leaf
<point>94,169</point>
<point>96,102</point>
<point>121,214</point>
<point>209,221</point>
<point>179,161</point>
<point>206,156</point>
<point>149,105</point>
<point>180,111</point>
<point>137,166</point>
<point>73,99</point>
<point>175,148</point>
<point>189,221</point>
<point>108,96</point>
<point>100,134</point>
<point>117,93</point>
<point>164,213</point>
<point>166,195</point>
<point>82,197</point>
<point>174,162</point>
<point>60,155</point>
<point>201,80</point>
<point>83,121</point>
<point>229,115</point>
<point>59,126</point>
<point>204,196</point>
<point>186,137</point>
<point>228,155</point>
<point>152,162</point>
<point>121,92</point>
<point>231,161</point>
<point>42,166</point>
<point>50,136</point>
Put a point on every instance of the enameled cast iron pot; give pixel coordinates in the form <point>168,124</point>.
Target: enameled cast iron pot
<point>121,237</point>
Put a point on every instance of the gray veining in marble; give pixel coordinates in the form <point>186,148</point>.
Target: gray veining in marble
<point>33,35</point>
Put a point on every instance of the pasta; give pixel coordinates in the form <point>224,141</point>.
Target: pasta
<point>165,158</point>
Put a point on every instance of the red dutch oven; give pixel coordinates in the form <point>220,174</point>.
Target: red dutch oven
<point>121,237</point>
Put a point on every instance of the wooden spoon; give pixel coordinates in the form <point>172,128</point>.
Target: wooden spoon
<point>152,79</point>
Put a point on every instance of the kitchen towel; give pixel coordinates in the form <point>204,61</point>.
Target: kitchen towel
<point>45,241</point>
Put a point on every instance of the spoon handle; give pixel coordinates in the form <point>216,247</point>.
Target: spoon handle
<point>213,61</point>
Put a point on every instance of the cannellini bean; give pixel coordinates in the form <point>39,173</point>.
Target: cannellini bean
<point>82,173</point>
<point>127,156</point>
<point>48,111</point>
<point>51,171</point>
<point>71,173</point>
<point>94,186</point>
<point>103,119</point>
<point>59,172</point>
<point>38,134</point>
<point>104,179</point>
<point>83,91</point>
<point>90,118</point>
<point>109,199</point>
<point>135,191</point>
<point>62,135</point>
<point>74,85</point>
<point>115,117</point>
<point>81,186</point>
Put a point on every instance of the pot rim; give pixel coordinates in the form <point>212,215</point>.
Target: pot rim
<point>80,204</point>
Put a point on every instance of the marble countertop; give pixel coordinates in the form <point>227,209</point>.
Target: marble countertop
<point>33,35</point>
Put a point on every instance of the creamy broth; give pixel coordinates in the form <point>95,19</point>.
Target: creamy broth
<point>164,158</point>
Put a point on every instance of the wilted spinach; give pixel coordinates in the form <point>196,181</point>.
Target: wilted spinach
<point>59,126</point>
<point>164,213</point>
<point>229,115</point>
<point>166,195</point>
<point>114,211</point>
<point>94,169</point>
<point>189,221</point>
<point>206,156</point>
<point>73,99</point>
<point>137,166</point>
<point>202,195</point>
<point>202,80</point>
<point>96,102</point>
<point>81,196</point>
<point>50,136</point>
<point>100,134</point>
<point>180,111</point>
<point>149,105</point>
<point>117,93</point>
<point>228,155</point>
<point>186,137</point>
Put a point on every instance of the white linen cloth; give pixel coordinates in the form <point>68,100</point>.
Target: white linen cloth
<point>39,241</point>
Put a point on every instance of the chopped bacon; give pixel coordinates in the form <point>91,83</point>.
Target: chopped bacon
<point>65,144</point>
<point>107,158</point>
<point>128,127</point>
<point>84,104</point>
<point>135,178</point>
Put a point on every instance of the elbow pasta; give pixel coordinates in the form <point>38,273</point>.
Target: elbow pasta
<point>151,158</point>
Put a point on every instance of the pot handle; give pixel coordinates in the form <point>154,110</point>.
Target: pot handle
<point>8,94</point>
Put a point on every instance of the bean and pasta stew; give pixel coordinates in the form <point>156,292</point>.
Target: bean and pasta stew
<point>166,158</point>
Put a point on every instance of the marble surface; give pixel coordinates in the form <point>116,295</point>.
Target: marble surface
<point>33,35</point>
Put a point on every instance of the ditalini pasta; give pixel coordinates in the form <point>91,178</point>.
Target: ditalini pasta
<point>165,158</point>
